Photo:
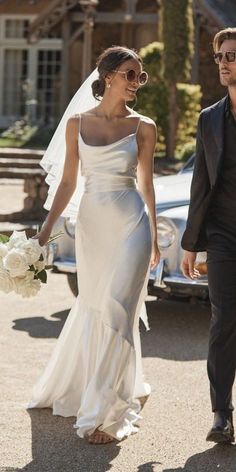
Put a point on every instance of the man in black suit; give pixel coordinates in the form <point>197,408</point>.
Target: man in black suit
<point>211,226</point>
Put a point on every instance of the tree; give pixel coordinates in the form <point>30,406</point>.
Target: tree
<point>177,35</point>
<point>153,102</point>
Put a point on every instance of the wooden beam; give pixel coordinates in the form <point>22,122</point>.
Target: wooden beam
<point>212,21</point>
<point>65,62</point>
<point>87,49</point>
<point>131,6</point>
<point>78,32</point>
<point>142,18</point>
<point>50,17</point>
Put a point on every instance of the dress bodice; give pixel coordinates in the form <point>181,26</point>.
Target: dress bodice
<point>111,166</point>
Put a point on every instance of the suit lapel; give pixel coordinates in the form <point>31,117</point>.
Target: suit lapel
<point>217,122</point>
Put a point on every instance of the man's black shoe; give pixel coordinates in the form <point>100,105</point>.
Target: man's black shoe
<point>222,430</point>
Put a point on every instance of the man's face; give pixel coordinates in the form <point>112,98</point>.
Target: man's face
<point>227,69</point>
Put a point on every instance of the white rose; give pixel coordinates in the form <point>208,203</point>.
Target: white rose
<point>39,265</point>
<point>6,283</point>
<point>19,282</point>
<point>32,250</point>
<point>3,250</point>
<point>16,239</point>
<point>27,286</point>
<point>44,251</point>
<point>15,262</point>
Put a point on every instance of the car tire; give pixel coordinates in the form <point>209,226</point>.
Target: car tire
<point>73,284</point>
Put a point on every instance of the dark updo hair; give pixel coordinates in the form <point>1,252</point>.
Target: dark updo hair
<point>109,61</point>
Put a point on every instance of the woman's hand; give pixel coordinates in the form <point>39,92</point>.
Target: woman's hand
<point>43,236</point>
<point>155,257</point>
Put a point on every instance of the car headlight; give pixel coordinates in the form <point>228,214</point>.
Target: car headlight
<point>166,232</point>
<point>70,227</point>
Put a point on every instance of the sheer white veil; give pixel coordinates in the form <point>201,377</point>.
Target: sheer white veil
<point>54,157</point>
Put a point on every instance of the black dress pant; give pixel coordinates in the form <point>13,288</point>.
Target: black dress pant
<point>221,260</point>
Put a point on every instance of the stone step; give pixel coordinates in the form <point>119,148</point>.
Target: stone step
<point>12,182</point>
<point>20,173</point>
<point>30,227</point>
<point>25,163</point>
<point>23,216</point>
<point>21,153</point>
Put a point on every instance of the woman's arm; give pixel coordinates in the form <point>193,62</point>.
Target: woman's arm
<point>147,137</point>
<point>68,181</point>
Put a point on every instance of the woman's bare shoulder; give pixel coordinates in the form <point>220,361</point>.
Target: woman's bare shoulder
<point>144,120</point>
<point>147,127</point>
<point>75,119</point>
<point>73,122</point>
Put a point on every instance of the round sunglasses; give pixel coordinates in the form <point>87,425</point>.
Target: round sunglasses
<point>230,56</point>
<point>131,76</point>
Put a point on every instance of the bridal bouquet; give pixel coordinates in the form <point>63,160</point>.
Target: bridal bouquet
<point>23,263</point>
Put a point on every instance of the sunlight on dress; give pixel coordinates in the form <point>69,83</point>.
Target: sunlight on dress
<point>95,371</point>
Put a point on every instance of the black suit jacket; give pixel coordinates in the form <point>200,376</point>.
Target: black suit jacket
<point>209,153</point>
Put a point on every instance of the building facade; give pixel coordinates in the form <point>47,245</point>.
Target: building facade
<point>29,72</point>
<point>48,47</point>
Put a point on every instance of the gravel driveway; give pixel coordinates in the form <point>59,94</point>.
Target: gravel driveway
<point>175,419</point>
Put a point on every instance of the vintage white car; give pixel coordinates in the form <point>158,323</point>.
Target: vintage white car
<point>172,197</point>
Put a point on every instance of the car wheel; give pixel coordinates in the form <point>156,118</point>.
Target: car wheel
<point>72,281</point>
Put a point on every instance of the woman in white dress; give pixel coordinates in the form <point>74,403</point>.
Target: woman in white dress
<point>95,370</point>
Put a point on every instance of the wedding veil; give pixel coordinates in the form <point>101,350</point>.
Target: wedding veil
<point>54,157</point>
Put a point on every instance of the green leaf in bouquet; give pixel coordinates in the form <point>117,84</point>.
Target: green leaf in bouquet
<point>41,257</point>
<point>32,268</point>
<point>49,267</point>
<point>4,238</point>
<point>42,276</point>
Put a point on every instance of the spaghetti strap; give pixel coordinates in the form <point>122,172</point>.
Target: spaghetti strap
<point>80,119</point>
<point>137,128</point>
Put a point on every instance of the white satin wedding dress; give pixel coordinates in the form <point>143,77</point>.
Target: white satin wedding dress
<point>95,370</point>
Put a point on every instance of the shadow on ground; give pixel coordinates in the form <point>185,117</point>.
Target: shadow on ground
<point>39,327</point>
<point>148,467</point>
<point>219,458</point>
<point>179,330</point>
<point>57,448</point>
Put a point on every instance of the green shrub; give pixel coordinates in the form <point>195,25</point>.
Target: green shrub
<point>153,98</point>
<point>188,108</point>
<point>177,31</point>
<point>153,102</point>
<point>18,134</point>
<point>152,55</point>
<point>187,150</point>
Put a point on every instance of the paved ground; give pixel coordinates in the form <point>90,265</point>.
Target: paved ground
<point>11,196</point>
<point>175,419</point>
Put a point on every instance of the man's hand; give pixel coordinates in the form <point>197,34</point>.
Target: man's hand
<point>187,265</point>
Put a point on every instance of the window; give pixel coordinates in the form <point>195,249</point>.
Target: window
<point>48,85</point>
<point>16,28</point>
<point>15,72</point>
<point>28,72</point>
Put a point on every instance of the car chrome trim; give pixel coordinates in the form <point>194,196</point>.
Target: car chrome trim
<point>157,274</point>
<point>65,266</point>
<point>178,280</point>
<point>170,205</point>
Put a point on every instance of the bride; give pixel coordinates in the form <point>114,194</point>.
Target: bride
<point>95,370</point>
